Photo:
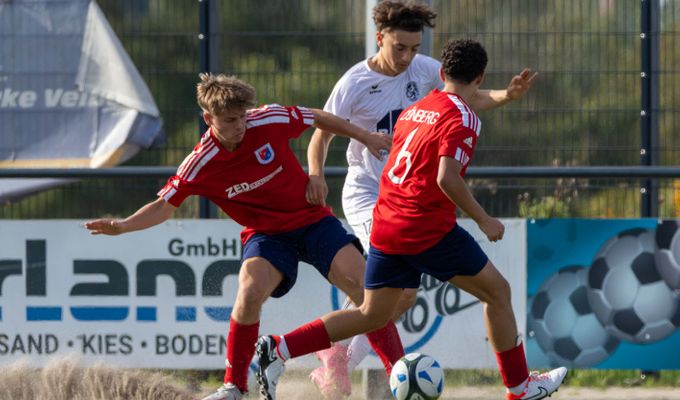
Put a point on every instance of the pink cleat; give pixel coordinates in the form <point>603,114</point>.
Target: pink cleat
<point>332,378</point>
<point>324,384</point>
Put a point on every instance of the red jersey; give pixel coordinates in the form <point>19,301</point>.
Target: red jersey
<point>412,213</point>
<point>261,184</point>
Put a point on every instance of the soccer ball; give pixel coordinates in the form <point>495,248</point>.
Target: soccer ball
<point>416,377</point>
<point>563,323</point>
<point>627,293</point>
<point>668,253</point>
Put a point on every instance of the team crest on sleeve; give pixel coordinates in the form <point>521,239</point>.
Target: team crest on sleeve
<point>412,92</point>
<point>265,154</point>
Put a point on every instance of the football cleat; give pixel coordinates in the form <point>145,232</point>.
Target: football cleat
<point>271,366</point>
<point>540,386</point>
<point>228,391</point>
<point>332,378</point>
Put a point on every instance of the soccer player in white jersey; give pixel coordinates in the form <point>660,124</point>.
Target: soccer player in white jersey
<point>372,94</point>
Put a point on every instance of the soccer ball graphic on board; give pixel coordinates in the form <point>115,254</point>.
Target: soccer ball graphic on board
<point>627,292</point>
<point>668,252</point>
<point>563,323</point>
<point>579,314</point>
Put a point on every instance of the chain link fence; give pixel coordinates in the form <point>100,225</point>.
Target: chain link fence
<point>584,110</point>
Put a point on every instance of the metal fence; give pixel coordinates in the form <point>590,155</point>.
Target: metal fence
<point>585,109</point>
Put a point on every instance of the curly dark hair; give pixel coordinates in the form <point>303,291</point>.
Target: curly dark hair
<point>463,60</point>
<point>407,16</point>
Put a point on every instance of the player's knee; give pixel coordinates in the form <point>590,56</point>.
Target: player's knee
<point>501,294</point>
<point>373,318</point>
<point>252,296</point>
<point>406,301</point>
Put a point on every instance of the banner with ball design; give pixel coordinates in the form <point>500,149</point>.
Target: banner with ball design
<point>603,293</point>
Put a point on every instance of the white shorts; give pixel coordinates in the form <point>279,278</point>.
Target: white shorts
<point>361,225</point>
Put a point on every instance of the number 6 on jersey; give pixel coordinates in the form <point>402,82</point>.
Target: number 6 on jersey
<point>403,153</point>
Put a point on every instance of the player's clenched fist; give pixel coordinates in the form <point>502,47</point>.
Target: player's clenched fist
<point>378,144</point>
<point>492,228</point>
<point>316,191</point>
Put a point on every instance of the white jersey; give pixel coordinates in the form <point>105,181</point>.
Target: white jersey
<point>374,101</point>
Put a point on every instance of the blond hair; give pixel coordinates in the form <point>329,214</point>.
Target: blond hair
<point>217,93</point>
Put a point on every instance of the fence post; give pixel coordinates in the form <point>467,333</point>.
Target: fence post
<point>649,113</point>
<point>427,45</point>
<point>370,45</point>
<point>205,64</point>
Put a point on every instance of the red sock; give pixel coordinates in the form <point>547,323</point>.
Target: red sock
<point>240,350</point>
<point>513,366</point>
<point>307,339</point>
<point>387,345</point>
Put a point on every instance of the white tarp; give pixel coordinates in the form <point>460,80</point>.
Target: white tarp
<point>160,298</point>
<point>69,94</point>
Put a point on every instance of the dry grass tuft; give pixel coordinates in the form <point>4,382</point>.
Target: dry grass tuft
<point>67,379</point>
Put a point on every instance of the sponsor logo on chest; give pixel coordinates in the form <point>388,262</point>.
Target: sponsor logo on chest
<point>374,89</point>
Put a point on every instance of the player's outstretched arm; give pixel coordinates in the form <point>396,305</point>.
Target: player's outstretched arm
<point>317,189</point>
<point>455,188</point>
<point>374,141</point>
<point>518,86</point>
<point>149,215</point>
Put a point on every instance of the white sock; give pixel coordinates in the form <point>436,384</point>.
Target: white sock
<point>517,390</point>
<point>357,351</point>
<point>282,349</point>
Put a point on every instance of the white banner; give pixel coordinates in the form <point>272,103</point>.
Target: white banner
<point>70,96</point>
<point>161,298</point>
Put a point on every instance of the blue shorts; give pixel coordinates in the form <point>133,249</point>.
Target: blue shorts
<point>456,254</point>
<point>316,244</point>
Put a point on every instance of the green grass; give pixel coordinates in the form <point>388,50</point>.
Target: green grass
<point>576,378</point>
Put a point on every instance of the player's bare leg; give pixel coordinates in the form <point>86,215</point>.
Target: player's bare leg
<point>494,292</point>
<point>373,316</point>
<point>257,280</point>
<point>347,273</point>
<point>331,379</point>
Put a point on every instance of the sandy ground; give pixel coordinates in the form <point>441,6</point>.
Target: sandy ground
<point>299,389</point>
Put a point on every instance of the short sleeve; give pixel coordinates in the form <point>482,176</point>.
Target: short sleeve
<point>429,67</point>
<point>175,191</point>
<point>301,118</point>
<point>338,102</point>
<point>291,121</point>
<point>457,142</point>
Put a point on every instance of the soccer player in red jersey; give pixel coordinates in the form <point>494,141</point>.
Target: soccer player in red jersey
<point>245,165</point>
<point>415,232</point>
<point>372,95</point>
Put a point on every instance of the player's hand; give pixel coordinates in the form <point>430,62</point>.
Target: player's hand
<point>378,144</point>
<point>492,228</point>
<point>520,84</point>
<point>104,226</point>
<point>317,190</point>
